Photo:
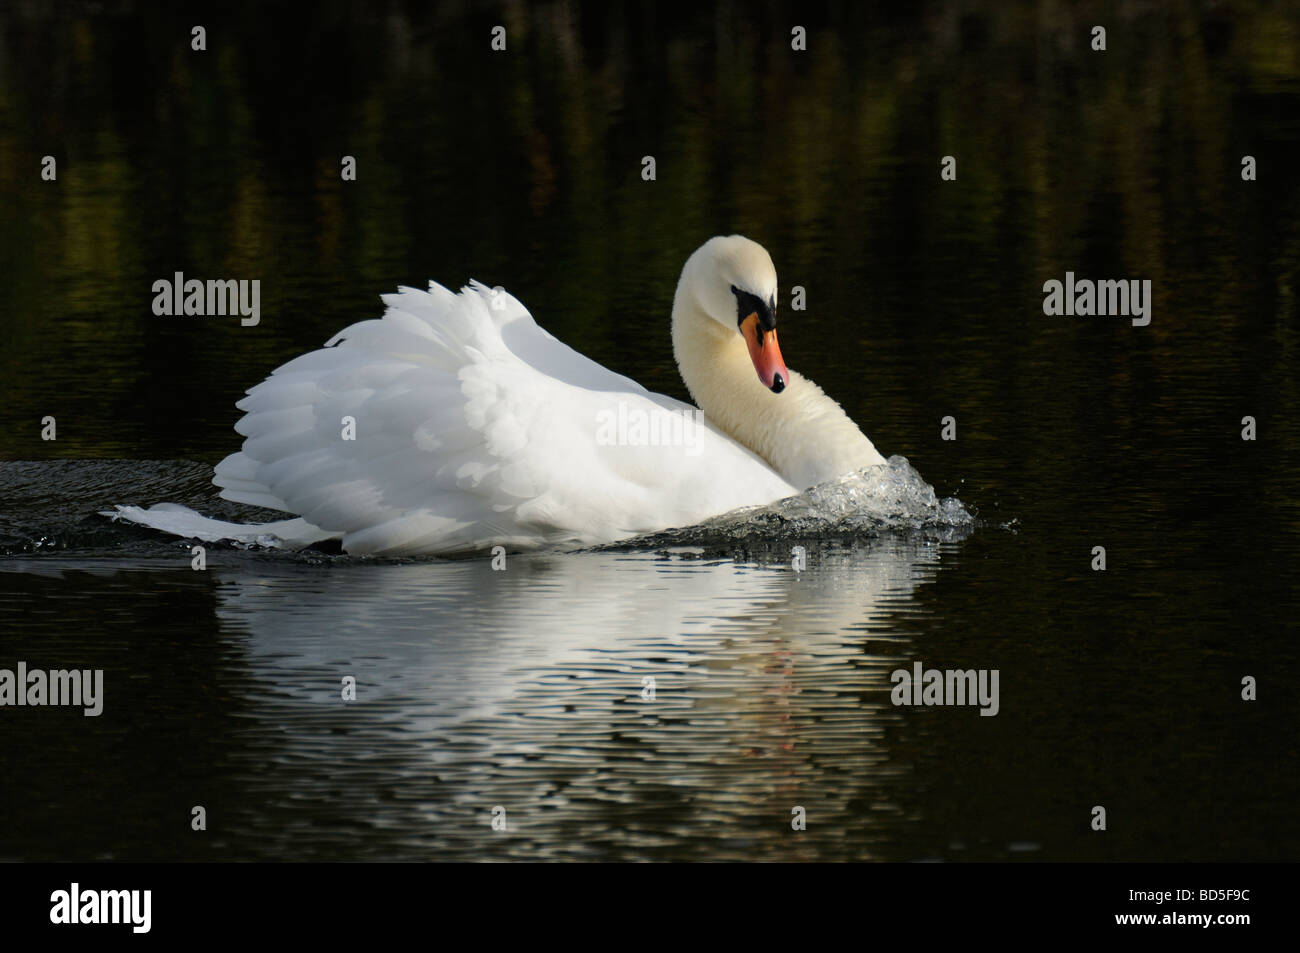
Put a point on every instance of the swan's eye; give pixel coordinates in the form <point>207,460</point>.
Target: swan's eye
<point>747,304</point>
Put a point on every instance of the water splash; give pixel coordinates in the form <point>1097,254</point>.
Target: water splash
<point>892,497</point>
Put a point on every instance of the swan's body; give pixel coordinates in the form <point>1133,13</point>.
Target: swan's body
<point>473,427</point>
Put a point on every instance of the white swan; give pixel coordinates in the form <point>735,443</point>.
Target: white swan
<point>472,427</point>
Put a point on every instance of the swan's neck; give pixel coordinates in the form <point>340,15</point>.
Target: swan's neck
<point>803,434</point>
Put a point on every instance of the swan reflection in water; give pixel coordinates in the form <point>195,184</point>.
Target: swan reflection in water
<point>528,689</point>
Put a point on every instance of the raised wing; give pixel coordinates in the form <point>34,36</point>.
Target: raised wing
<point>455,423</point>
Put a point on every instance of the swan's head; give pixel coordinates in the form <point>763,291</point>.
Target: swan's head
<point>734,282</point>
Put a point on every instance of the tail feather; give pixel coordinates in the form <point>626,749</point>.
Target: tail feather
<point>183,521</point>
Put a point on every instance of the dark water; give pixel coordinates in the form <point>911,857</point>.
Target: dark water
<point>523,688</point>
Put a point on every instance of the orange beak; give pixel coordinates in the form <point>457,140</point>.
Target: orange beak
<point>766,354</point>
